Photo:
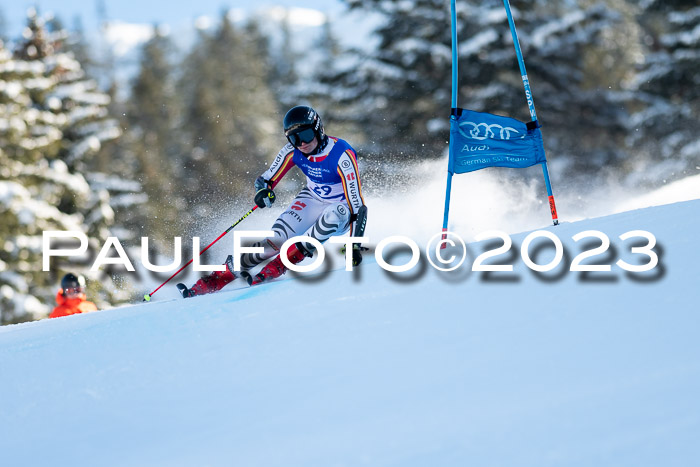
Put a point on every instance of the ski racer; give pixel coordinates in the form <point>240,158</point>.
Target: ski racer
<point>71,298</point>
<point>330,204</point>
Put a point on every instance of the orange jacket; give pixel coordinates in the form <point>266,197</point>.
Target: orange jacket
<point>70,306</point>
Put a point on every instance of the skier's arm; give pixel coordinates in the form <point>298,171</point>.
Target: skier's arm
<point>350,174</point>
<point>264,184</point>
<point>278,169</point>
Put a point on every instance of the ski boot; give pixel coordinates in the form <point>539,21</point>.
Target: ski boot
<point>296,254</point>
<point>211,283</point>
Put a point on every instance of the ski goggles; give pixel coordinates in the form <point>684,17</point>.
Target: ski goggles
<point>300,137</point>
<point>73,291</point>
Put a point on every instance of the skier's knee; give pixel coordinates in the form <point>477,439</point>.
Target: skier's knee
<point>334,220</point>
<point>336,216</point>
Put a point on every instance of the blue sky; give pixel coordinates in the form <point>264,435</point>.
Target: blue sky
<point>171,12</point>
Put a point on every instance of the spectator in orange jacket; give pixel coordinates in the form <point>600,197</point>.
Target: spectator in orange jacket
<point>71,299</point>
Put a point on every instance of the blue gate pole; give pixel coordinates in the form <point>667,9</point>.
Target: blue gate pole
<point>530,104</point>
<point>521,62</point>
<point>450,172</point>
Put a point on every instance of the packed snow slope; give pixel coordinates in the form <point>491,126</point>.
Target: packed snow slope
<point>381,369</point>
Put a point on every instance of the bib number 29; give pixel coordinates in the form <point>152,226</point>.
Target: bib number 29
<point>322,190</point>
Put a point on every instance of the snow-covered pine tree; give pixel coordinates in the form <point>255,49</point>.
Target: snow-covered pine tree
<point>53,120</point>
<point>153,111</point>
<point>403,90</point>
<point>3,26</point>
<point>282,58</point>
<point>400,92</point>
<point>77,43</point>
<point>665,125</point>
<point>328,86</point>
<point>231,123</point>
<point>578,103</point>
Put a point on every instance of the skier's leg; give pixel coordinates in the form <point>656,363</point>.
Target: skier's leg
<point>335,220</point>
<point>296,220</point>
<point>275,268</point>
<point>213,282</point>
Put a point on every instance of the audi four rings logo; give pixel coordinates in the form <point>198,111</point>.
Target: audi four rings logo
<point>484,131</point>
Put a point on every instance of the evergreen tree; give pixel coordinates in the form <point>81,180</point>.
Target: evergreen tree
<point>77,44</point>
<point>329,90</point>
<point>664,128</point>
<point>53,120</point>
<point>152,119</point>
<point>261,45</point>
<point>584,122</point>
<point>230,125</point>
<point>3,26</point>
<point>404,88</point>
<point>284,75</point>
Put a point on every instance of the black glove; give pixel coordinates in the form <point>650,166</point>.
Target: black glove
<point>357,250</point>
<point>357,254</point>
<point>264,197</point>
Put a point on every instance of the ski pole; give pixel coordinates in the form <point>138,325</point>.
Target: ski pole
<point>147,297</point>
<point>531,105</point>
<point>455,91</point>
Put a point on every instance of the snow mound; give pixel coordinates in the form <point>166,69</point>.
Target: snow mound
<point>372,368</point>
